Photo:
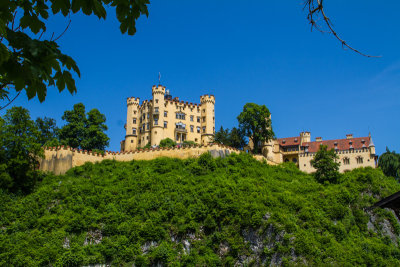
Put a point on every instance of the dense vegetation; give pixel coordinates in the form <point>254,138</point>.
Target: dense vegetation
<point>204,212</point>
<point>389,162</point>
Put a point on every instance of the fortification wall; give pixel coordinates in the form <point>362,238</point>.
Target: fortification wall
<point>60,159</point>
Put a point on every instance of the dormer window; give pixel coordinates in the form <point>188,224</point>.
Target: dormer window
<point>283,141</point>
<point>295,140</point>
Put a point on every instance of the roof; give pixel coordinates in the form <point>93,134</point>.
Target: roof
<point>391,202</point>
<point>290,141</point>
<point>340,144</point>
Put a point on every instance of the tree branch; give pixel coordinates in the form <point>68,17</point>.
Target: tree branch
<point>1,108</point>
<point>316,9</point>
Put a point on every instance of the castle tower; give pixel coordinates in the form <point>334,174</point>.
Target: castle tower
<point>305,137</point>
<point>207,118</point>
<point>158,108</point>
<point>371,145</point>
<point>131,125</point>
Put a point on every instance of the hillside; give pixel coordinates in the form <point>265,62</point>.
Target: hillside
<point>201,212</point>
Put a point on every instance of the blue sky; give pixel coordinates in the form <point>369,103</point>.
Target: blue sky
<point>242,51</point>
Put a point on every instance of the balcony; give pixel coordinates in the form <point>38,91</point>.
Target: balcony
<point>180,130</point>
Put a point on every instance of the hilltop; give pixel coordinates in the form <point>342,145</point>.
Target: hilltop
<point>205,212</point>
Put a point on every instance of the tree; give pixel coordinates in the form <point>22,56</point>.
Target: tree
<point>221,136</point>
<point>167,142</point>
<point>48,131</point>
<point>84,131</point>
<point>255,123</point>
<point>389,162</point>
<point>29,63</point>
<point>327,169</point>
<point>234,138</point>
<point>20,150</point>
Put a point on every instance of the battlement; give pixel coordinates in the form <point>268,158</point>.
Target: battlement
<point>158,89</point>
<point>207,98</point>
<point>133,101</point>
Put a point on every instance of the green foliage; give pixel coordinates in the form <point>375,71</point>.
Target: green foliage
<point>189,143</point>
<point>167,142</point>
<point>255,123</point>
<point>234,138</point>
<point>30,63</point>
<point>85,131</point>
<point>145,210</point>
<point>389,162</point>
<point>48,131</point>
<point>19,150</point>
<point>327,169</point>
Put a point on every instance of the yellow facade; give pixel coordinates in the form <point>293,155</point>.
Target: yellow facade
<point>353,152</point>
<point>165,117</point>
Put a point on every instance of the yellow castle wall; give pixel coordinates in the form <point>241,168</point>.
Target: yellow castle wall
<point>61,159</point>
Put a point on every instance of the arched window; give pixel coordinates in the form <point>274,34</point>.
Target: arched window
<point>359,160</point>
<point>346,161</point>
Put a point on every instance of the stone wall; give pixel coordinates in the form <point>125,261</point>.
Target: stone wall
<point>60,159</point>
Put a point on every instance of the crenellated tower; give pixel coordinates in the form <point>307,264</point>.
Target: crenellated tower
<point>131,126</point>
<point>157,113</point>
<point>207,118</point>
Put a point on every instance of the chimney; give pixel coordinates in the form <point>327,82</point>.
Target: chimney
<point>318,139</point>
<point>349,136</point>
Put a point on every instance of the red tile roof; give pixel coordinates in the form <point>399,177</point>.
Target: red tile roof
<point>341,144</point>
<point>290,141</point>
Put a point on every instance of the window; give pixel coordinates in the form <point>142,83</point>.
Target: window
<point>156,101</point>
<point>165,124</point>
<point>156,110</point>
<point>155,121</point>
<point>213,129</point>
<point>143,127</point>
<point>346,161</point>
<point>134,131</point>
<point>134,120</point>
<point>131,141</point>
<point>191,117</point>
<point>198,129</point>
<point>148,126</point>
<point>204,129</point>
<point>134,112</point>
<point>165,113</point>
<point>140,142</point>
<point>180,125</point>
<point>147,137</point>
<point>180,116</point>
<point>144,116</point>
<point>195,139</point>
<point>204,119</point>
<point>359,160</point>
<point>148,115</point>
<point>204,111</point>
<point>140,119</point>
<point>191,128</point>
<point>198,119</point>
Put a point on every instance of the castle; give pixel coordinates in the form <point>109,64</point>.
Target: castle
<point>166,117</point>
<point>353,152</point>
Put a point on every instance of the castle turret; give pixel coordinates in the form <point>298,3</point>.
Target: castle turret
<point>207,118</point>
<point>131,125</point>
<point>371,145</point>
<point>305,137</point>
<point>158,108</point>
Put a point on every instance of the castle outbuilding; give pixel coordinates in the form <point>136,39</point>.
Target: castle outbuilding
<point>163,117</point>
<point>353,152</point>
